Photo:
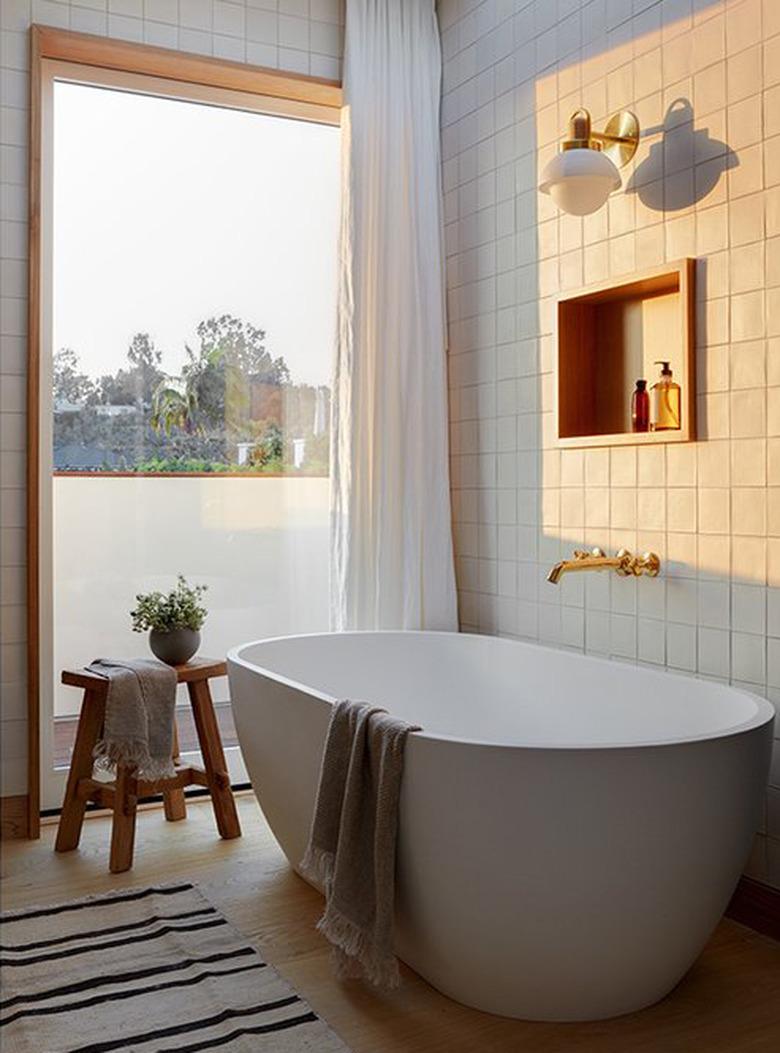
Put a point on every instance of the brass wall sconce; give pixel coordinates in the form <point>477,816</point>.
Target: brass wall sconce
<point>582,176</point>
<point>624,563</point>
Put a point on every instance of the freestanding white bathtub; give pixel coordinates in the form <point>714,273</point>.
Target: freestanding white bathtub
<point>571,829</point>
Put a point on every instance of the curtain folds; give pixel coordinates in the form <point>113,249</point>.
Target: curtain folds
<point>391,542</point>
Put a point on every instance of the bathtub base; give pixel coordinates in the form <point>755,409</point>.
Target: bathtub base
<point>564,1006</point>
<point>538,882</point>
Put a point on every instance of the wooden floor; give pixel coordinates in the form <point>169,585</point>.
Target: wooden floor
<point>729,1001</point>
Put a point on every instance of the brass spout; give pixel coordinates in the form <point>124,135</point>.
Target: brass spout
<point>624,563</point>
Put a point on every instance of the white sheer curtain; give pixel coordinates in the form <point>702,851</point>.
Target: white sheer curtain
<point>391,558</point>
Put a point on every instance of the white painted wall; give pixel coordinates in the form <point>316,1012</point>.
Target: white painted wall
<point>514,71</point>
<point>298,35</point>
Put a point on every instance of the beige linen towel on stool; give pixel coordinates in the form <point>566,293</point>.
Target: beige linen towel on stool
<point>138,725</point>
<point>351,850</point>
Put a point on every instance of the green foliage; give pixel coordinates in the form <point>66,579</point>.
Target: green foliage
<point>136,384</point>
<point>180,609</point>
<point>179,464</point>
<point>230,391</point>
<point>231,340</point>
<point>161,465</point>
<point>175,405</point>
<point>70,385</point>
<point>272,444</point>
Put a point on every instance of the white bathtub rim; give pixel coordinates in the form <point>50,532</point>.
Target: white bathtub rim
<point>765,711</point>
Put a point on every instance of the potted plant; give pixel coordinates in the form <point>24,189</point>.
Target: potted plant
<point>173,621</point>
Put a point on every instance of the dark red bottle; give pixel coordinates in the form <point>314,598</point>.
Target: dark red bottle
<point>640,407</point>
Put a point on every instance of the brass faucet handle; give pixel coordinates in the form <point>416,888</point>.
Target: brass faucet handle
<point>627,566</point>
<point>649,564</point>
<point>580,553</point>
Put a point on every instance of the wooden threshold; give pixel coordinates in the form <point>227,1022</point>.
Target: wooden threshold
<point>756,905</point>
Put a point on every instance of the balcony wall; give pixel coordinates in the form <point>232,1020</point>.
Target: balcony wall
<point>260,544</point>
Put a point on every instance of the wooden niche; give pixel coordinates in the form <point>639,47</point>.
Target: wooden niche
<point>609,336</point>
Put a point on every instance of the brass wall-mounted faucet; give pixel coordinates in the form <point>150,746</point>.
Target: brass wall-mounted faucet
<point>624,563</point>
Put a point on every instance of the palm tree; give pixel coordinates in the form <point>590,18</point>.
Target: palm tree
<point>175,405</point>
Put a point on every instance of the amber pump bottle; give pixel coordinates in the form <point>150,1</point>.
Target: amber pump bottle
<point>640,407</point>
<point>666,401</point>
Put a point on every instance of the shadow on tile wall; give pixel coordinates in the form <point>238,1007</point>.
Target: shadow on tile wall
<point>666,180</point>
<point>704,80</point>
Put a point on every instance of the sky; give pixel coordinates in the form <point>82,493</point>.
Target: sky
<point>169,212</point>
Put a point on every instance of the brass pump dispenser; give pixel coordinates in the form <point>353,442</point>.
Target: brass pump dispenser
<point>666,400</point>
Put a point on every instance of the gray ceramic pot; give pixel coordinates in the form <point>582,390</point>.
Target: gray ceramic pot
<point>175,647</point>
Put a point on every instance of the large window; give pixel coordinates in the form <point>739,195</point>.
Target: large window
<point>188,281</point>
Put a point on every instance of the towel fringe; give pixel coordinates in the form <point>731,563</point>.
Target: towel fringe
<point>354,951</point>
<point>317,865</point>
<point>135,753</point>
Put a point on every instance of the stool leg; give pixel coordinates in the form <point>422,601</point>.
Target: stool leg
<point>214,759</point>
<point>73,807</point>
<point>123,827</point>
<point>174,802</point>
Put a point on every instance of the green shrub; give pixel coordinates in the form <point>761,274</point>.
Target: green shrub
<point>180,609</point>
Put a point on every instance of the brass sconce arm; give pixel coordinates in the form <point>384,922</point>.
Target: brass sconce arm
<point>623,563</point>
<point>618,141</point>
<point>602,137</point>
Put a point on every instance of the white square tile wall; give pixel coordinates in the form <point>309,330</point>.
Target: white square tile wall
<point>301,35</point>
<point>703,76</point>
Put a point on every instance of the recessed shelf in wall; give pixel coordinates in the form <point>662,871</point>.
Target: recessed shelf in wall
<point>608,336</point>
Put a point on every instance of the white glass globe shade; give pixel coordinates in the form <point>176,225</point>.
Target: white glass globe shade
<point>579,181</point>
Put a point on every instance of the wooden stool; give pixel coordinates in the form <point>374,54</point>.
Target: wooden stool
<point>122,793</point>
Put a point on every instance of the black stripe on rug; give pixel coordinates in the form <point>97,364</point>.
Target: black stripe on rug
<point>96,933</point>
<point>70,1007</point>
<point>128,1041</point>
<point>262,1029</point>
<point>104,901</point>
<point>122,978</point>
<point>8,963</point>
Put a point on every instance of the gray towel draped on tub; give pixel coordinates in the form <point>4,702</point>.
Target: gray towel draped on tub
<point>138,725</point>
<point>351,849</point>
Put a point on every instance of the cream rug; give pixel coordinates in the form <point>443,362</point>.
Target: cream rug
<point>150,970</point>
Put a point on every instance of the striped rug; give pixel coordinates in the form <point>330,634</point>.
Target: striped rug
<point>150,970</point>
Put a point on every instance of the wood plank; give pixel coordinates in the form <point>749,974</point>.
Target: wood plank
<point>130,57</point>
<point>14,820</point>
<point>151,787</point>
<point>201,669</point>
<point>728,1003</point>
<point>86,681</point>
<point>174,801</point>
<point>123,825</point>
<point>103,473</point>
<point>100,793</point>
<point>93,710</point>
<point>648,438</point>
<point>196,669</point>
<point>33,450</point>
<point>214,759</point>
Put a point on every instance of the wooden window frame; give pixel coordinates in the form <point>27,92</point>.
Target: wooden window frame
<point>185,74</point>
